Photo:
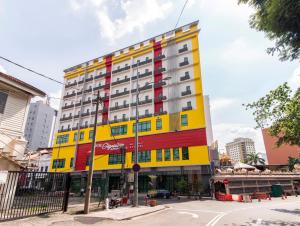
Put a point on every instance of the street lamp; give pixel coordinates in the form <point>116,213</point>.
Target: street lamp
<point>136,141</point>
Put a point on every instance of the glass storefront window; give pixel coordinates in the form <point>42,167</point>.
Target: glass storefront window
<point>185,153</point>
<point>159,155</point>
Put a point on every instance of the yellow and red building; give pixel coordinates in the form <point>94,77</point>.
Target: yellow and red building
<point>172,129</point>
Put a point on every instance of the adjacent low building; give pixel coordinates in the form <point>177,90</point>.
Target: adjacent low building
<point>15,96</point>
<point>239,148</point>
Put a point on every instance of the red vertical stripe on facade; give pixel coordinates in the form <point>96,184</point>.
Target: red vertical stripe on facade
<point>185,138</point>
<point>108,67</point>
<point>158,105</point>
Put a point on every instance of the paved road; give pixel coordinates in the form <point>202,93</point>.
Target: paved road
<point>191,213</point>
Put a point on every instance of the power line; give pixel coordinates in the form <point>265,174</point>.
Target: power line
<point>28,69</point>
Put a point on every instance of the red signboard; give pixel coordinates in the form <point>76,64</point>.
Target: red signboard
<point>185,138</point>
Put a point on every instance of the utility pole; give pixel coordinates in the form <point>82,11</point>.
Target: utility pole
<point>91,165</point>
<point>136,147</point>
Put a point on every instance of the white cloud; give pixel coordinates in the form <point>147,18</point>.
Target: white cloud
<point>221,103</point>
<point>243,52</point>
<point>227,132</point>
<point>54,99</point>
<point>137,14</point>
<point>294,80</point>
<point>2,69</point>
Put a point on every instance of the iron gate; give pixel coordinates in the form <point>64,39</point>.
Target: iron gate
<point>25,194</point>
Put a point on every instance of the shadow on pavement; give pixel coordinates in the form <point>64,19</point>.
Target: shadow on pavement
<point>89,220</point>
<point>296,211</point>
<point>269,222</point>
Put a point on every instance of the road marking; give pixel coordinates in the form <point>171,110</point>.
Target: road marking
<point>204,211</point>
<point>215,220</point>
<point>188,213</point>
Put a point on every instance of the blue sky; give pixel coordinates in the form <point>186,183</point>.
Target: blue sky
<point>50,36</point>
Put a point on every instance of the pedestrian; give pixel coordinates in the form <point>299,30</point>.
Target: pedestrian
<point>81,192</point>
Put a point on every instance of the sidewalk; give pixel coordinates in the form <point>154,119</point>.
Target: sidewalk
<point>58,218</point>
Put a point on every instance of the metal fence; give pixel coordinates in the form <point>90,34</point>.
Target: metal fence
<point>26,194</point>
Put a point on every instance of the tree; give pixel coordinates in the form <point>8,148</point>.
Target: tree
<point>280,111</point>
<point>280,20</point>
<point>292,162</point>
<point>254,159</point>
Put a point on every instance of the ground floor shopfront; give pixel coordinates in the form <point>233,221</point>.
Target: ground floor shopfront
<point>196,179</point>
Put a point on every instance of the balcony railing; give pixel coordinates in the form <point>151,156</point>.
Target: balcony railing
<point>88,79</point>
<point>183,78</point>
<point>67,106</point>
<point>85,114</point>
<point>160,113</point>
<point>75,128</point>
<point>71,84</point>
<point>70,95</point>
<point>81,81</point>
<point>121,69</point>
<point>142,88</point>
<point>86,102</point>
<point>104,110</point>
<point>84,126</point>
<point>159,84</point>
<point>142,116</point>
<point>187,108</point>
<point>120,81</point>
<point>185,48</point>
<point>119,94</point>
<point>185,93</point>
<point>66,118</point>
<point>148,73</point>
<point>142,63</point>
<point>102,75</point>
<point>118,120</point>
<point>159,57</point>
<point>119,107</point>
<point>64,130</point>
<point>148,101</point>
<point>159,99</point>
<point>79,93</point>
<point>159,70</point>
<point>186,62</point>
<point>88,90</point>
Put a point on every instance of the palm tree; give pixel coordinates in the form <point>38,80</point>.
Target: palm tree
<point>254,159</point>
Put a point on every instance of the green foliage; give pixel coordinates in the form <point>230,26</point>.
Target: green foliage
<point>292,162</point>
<point>182,186</point>
<point>254,159</point>
<point>280,111</point>
<point>280,20</point>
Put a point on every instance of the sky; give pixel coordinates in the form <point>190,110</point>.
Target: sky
<point>52,35</point>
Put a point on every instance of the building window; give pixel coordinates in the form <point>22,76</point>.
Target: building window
<point>146,112</point>
<point>158,155</point>
<point>143,126</point>
<point>114,159</point>
<point>81,135</point>
<point>75,137</point>
<point>167,154</point>
<point>143,156</point>
<point>189,104</point>
<point>185,153</point>
<point>158,124</point>
<point>46,168</point>
<point>91,134</point>
<point>58,163</point>
<point>184,120</point>
<point>42,169</point>
<point>185,59</point>
<point>119,130</point>
<point>176,154</point>
<point>62,139</point>
<point>188,88</point>
<point>187,74</point>
<point>71,162</point>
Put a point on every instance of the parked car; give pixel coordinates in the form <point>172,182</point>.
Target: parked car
<point>160,193</point>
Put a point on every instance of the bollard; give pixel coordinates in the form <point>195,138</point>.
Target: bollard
<point>259,199</point>
<point>146,200</point>
<point>282,197</point>
<point>270,197</point>
<point>107,203</point>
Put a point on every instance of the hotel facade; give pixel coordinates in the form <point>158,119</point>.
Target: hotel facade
<point>172,128</point>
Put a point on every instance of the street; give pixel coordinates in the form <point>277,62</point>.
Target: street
<point>190,213</point>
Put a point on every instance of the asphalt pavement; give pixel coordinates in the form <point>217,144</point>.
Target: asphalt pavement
<point>191,213</point>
